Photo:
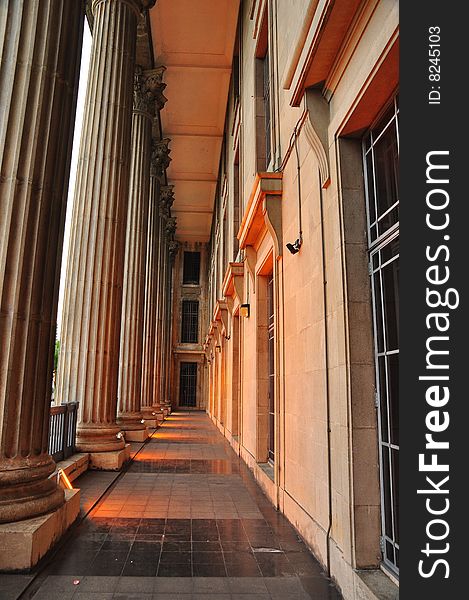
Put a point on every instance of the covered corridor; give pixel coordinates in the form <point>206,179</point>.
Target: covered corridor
<point>184,520</point>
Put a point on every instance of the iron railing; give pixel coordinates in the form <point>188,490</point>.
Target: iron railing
<point>62,430</point>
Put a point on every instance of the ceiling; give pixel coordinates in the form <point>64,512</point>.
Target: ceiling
<point>194,40</point>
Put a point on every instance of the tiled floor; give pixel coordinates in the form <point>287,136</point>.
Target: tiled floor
<point>186,521</point>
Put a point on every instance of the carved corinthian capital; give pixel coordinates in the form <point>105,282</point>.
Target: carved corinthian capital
<point>170,227</point>
<point>167,195</point>
<point>156,85</point>
<point>143,96</point>
<point>173,248</point>
<point>160,156</point>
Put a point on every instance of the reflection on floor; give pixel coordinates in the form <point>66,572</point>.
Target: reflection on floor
<point>185,521</point>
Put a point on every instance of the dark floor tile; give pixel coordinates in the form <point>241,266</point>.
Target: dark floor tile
<point>239,546</point>
<point>176,546</point>
<point>140,568</point>
<point>149,548</point>
<point>243,570</point>
<point>274,565</point>
<point>177,526</point>
<point>175,558</point>
<point>149,537</point>
<point>175,570</point>
<point>231,529</point>
<point>239,558</point>
<point>203,570</point>
<point>204,532</point>
<point>304,564</point>
<point>207,558</point>
<point>116,545</point>
<point>152,523</point>
<point>121,535</point>
<point>264,541</point>
<point>294,545</point>
<point>151,529</point>
<point>108,563</point>
<point>319,587</point>
<point>71,565</point>
<point>213,546</point>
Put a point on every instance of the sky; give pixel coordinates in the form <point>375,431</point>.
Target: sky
<point>85,64</point>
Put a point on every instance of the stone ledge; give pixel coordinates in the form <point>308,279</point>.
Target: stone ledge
<point>24,543</point>
<point>109,461</point>
<point>374,585</point>
<point>137,435</point>
<point>75,465</point>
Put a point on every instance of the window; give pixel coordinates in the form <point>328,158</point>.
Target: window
<point>271,346</point>
<point>263,110</point>
<point>190,321</point>
<point>267,125</point>
<point>188,384</point>
<point>191,270</point>
<point>381,154</point>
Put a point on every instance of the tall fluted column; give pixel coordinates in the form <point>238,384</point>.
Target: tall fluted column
<point>149,407</point>
<point>151,298</point>
<point>173,250</point>
<point>131,345</point>
<point>166,201</point>
<point>89,359</point>
<point>166,316</point>
<point>40,59</point>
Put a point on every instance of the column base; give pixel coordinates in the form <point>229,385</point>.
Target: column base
<point>109,461</point>
<point>24,543</point>
<point>136,435</point>
<point>152,423</point>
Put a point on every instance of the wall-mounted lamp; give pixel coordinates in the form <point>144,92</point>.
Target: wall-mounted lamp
<point>295,247</point>
<point>218,348</point>
<point>244,310</point>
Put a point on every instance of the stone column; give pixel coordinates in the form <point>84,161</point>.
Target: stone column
<point>166,311</point>
<point>166,200</point>
<point>129,416</point>
<point>89,357</point>
<point>173,250</point>
<point>39,69</point>
<point>149,408</point>
<point>151,302</point>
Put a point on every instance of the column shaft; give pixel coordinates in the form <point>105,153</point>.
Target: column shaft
<point>89,358</point>
<point>40,58</point>
<point>131,345</point>
<point>151,300</point>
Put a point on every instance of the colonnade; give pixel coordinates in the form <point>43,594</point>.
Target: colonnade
<point>115,354</point>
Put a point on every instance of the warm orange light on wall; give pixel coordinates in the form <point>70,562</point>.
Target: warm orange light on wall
<point>244,310</point>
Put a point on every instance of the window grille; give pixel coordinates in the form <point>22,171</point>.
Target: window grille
<point>190,321</point>
<point>188,384</point>
<point>381,162</point>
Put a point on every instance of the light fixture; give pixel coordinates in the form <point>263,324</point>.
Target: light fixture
<point>61,476</point>
<point>218,348</point>
<point>244,310</point>
<point>295,247</point>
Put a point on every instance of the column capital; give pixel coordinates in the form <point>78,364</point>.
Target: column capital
<point>170,227</point>
<point>167,195</point>
<point>144,98</point>
<point>160,158</point>
<point>173,248</point>
<point>156,86</point>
